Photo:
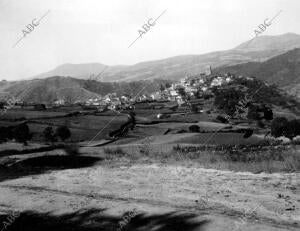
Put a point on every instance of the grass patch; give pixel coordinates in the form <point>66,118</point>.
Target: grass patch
<point>252,158</point>
<point>115,151</point>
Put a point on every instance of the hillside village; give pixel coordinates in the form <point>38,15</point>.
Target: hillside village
<point>150,115</point>
<point>187,89</point>
<point>194,86</point>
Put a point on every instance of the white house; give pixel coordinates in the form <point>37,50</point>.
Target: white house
<point>204,88</point>
<point>218,81</point>
<point>173,93</point>
<point>156,96</point>
<point>59,102</point>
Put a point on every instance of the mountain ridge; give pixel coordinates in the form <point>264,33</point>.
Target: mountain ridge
<point>260,49</point>
<point>282,70</point>
<point>71,89</point>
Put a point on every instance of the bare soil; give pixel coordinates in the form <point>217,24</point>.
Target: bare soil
<point>165,197</point>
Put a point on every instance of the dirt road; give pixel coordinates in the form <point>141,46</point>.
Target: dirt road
<point>189,198</point>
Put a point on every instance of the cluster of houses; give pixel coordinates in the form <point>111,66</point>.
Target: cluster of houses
<point>110,101</point>
<point>192,86</point>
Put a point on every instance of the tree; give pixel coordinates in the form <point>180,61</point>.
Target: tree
<point>194,128</point>
<point>162,88</point>
<point>181,92</point>
<point>227,99</point>
<point>2,105</point>
<point>248,133</point>
<point>198,94</point>
<point>192,82</point>
<point>49,134</point>
<point>222,119</point>
<point>278,126</point>
<point>132,119</point>
<point>40,107</point>
<point>22,134</point>
<point>260,124</point>
<point>268,113</point>
<point>292,129</point>
<point>168,85</point>
<point>253,112</point>
<point>63,132</point>
<point>5,134</point>
<point>194,108</point>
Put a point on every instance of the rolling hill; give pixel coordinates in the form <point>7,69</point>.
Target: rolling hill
<point>282,70</point>
<point>71,89</point>
<point>269,58</point>
<point>260,49</point>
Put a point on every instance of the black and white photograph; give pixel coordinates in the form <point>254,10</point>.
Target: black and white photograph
<point>149,115</point>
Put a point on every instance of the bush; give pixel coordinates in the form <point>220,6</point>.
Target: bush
<point>181,92</point>
<point>207,96</point>
<point>194,108</point>
<point>292,129</point>
<point>63,132</point>
<point>21,133</point>
<point>278,126</point>
<point>282,127</point>
<point>253,113</point>
<point>6,133</point>
<point>227,99</point>
<point>145,147</point>
<point>260,124</point>
<point>194,128</point>
<point>222,119</point>
<point>49,134</point>
<point>181,131</point>
<point>72,149</point>
<point>116,151</point>
<point>268,113</point>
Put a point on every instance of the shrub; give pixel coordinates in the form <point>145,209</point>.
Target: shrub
<point>49,134</point>
<point>278,126</point>
<point>207,96</point>
<point>194,128</point>
<point>181,131</point>
<point>222,119</point>
<point>248,133</point>
<point>227,99</point>
<point>114,151</point>
<point>292,129</point>
<point>181,92</point>
<point>6,133</point>
<point>72,149</point>
<point>268,113</point>
<point>22,134</point>
<point>145,147</point>
<point>63,132</point>
<point>194,108</point>
<point>253,112</point>
<point>260,124</point>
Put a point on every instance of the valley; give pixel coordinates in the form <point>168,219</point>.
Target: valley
<point>209,142</point>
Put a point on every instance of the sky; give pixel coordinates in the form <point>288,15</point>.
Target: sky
<point>100,31</point>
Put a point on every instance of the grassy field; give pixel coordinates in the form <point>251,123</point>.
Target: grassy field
<point>82,127</point>
<point>270,160</point>
<point>28,114</point>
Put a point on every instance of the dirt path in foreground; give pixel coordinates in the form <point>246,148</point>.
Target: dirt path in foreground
<point>227,200</point>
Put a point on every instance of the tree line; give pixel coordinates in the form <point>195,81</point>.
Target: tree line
<point>22,134</point>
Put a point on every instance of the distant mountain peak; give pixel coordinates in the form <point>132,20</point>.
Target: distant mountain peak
<point>261,48</point>
<point>285,41</point>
